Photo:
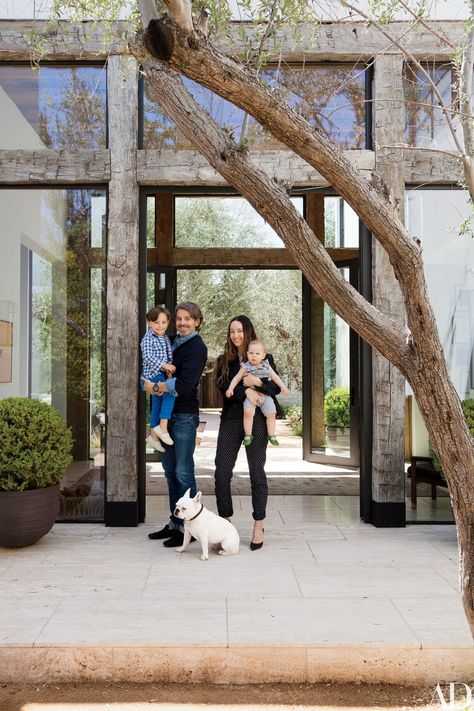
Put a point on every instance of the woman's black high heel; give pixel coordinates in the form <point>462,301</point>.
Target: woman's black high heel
<point>256,546</point>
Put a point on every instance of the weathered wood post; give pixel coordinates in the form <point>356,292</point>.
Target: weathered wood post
<point>388,394</point>
<point>121,507</point>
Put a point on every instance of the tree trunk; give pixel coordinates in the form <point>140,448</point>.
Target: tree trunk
<point>418,354</point>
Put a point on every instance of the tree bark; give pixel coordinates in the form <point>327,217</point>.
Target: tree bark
<point>418,354</point>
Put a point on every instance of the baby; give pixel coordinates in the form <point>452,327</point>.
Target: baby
<point>257,365</point>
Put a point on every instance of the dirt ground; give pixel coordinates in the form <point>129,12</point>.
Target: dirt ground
<point>189,697</point>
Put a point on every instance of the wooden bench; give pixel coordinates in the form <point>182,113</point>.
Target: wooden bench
<point>422,470</point>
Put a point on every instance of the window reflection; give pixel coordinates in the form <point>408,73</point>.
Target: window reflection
<point>223,222</point>
<point>53,268</point>
<point>57,107</point>
<point>331,98</point>
<point>425,123</point>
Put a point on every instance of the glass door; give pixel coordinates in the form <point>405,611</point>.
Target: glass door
<point>330,373</point>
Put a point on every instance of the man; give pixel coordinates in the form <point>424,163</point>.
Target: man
<point>189,358</point>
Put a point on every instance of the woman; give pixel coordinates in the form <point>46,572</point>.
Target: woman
<point>231,431</point>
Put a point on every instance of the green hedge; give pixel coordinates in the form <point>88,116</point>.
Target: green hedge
<point>35,445</point>
<point>337,408</point>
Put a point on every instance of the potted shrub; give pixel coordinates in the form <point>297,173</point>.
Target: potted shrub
<point>35,450</point>
<point>336,408</point>
<point>337,411</point>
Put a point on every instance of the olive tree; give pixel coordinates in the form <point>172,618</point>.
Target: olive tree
<point>177,43</point>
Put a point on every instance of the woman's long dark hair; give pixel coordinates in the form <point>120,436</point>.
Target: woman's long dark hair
<point>231,353</point>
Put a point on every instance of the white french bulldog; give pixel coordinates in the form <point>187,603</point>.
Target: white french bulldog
<point>208,528</point>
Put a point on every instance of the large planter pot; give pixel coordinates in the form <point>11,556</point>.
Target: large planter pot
<point>26,516</point>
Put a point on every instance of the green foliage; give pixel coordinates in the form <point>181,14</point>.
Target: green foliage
<point>337,408</point>
<point>294,415</point>
<point>35,445</point>
<point>468,409</point>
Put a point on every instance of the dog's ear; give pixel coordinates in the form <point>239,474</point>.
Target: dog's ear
<point>197,498</point>
<point>187,494</point>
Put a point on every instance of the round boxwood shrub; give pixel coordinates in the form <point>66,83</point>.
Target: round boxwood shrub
<point>336,408</point>
<point>35,445</point>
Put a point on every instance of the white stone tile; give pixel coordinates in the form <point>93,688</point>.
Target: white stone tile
<point>23,616</point>
<point>309,621</point>
<point>121,620</point>
<point>436,620</point>
<point>219,575</point>
<point>71,579</point>
<point>388,552</point>
<point>371,581</point>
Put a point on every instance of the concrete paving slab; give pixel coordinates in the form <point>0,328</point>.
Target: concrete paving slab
<point>327,598</point>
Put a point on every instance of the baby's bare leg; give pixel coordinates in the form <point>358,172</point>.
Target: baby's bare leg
<point>249,414</point>
<point>271,424</point>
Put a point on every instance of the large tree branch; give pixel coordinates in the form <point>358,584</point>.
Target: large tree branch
<point>198,59</point>
<point>271,200</point>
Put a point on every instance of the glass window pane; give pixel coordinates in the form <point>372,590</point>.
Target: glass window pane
<point>53,275</point>
<point>53,107</point>
<point>435,217</point>
<point>331,98</point>
<point>223,222</point>
<point>223,293</point>
<point>150,222</point>
<point>341,224</point>
<point>330,373</point>
<point>425,124</point>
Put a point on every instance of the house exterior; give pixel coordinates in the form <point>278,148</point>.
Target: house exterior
<point>92,179</point>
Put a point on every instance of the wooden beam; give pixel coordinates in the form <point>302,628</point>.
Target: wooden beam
<point>271,258</point>
<point>340,42</point>
<point>122,294</point>
<point>173,168</point>
<point>164,232</point>
<point>27,167</point>
<point>424,166</point>
<point>169,167</point>
<point>62,40</point>
<point>388,394</point>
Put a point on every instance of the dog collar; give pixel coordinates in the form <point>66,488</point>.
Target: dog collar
<point>199,512</point>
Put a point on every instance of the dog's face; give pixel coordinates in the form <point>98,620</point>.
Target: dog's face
<point>186,507</point>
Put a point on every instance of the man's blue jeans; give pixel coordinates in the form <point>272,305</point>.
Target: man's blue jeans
<point>178,461</point>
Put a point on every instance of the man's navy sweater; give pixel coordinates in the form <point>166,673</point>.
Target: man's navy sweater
<point>190,359</point>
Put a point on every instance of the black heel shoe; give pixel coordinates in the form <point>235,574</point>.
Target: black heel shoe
<point>256,546</point>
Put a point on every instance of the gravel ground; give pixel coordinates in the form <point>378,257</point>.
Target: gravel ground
<point>173,697</point>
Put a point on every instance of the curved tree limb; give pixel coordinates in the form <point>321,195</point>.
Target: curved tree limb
<point>272,201</point>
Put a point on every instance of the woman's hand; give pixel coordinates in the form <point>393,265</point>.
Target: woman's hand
<point>253,396</point>
<point>250,381</point>
<point>229,392</point>
<point>169,369</point>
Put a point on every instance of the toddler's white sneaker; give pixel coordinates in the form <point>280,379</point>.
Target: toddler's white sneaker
<point>155,443</point>
<point>164,436</point>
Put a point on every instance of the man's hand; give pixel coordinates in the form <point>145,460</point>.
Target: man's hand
<point>168,368</point>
